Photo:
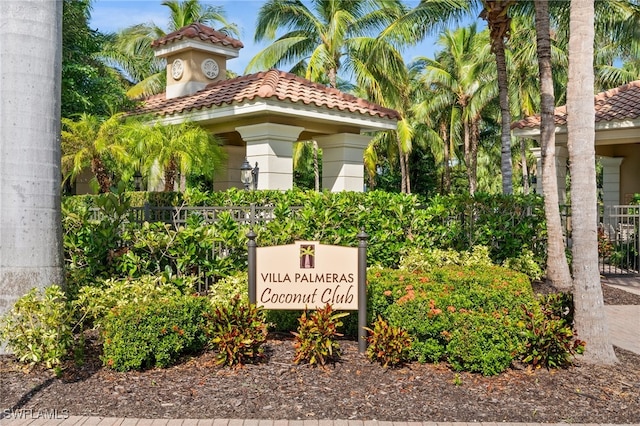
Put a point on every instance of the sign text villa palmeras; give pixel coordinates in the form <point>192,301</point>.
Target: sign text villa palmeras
<point>307,275</point>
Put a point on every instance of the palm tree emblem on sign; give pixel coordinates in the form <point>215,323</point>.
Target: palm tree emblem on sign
<point>307,256</point>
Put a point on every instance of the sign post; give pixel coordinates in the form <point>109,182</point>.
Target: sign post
<point>310,275</point>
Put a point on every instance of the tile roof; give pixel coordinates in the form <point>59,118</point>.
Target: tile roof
<point>272,84</point>
<point>621,103</point>
<point>201,32</point>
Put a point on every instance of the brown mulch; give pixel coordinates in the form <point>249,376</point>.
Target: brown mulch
<point>353,388</point>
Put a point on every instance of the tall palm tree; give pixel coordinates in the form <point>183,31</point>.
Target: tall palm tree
<point>130,52</point>
<point>326,37</point>
<point>590,318</point>
<point>87,142</point>
<point>30,223</point>
<point>321,39</point>
<point>460,76</point>
<point>496,13</point>
<point>177,148</point>
<point>558,273</point>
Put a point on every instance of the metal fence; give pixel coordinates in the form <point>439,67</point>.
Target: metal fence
<point>618,238</point>
<point>178,216</point>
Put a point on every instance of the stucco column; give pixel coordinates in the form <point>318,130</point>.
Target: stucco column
<point>342,164</point>
<point>271,146</point>
<point>229,176</point>
<point>611,180</point>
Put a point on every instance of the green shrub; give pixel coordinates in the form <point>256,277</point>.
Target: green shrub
<point>525,262</point>
<point>38,328</point>
<point>154,333</point>
<point>226,289</point>
<point>95,302</point>
<point>237,331</point>
<point>482,343</point>
<point>315,341</point>
<point>440,307</point>
<point>388,345</point>
<point>424,260</point>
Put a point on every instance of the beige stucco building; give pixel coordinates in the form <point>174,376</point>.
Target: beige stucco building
<point>617,139</point>
<point>260,116</point>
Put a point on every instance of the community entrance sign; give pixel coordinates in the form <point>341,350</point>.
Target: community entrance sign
<point>307,275</point>
<point>310,275</point>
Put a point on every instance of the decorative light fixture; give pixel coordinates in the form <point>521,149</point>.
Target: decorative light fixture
<point>137,180</point>
<point>249,175</point>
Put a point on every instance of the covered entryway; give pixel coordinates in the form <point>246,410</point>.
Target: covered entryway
<point>260,116</point>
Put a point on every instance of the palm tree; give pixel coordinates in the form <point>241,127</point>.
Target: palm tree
<point>177,148</point>
<point>86,142</point>
<point>340,35</point>
<point>460,77</point>
<point>496,13</point>
<point>30,223</point>
<point>130,50</point>
<point>321,40</point>
<point>558,273</point>
<point>590,318</point>
<point>305,153</point>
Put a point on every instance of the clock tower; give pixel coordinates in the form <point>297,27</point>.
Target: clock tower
<point>196,56</point>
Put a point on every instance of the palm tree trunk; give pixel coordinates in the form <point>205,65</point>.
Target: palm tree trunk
<point>403,166</point>
<point>558,273</point>
<point>333,77</point>
<point>496,14</point>
<point>100,172</point>
<point>467,154</point>
<point>590,320</point>
<point>473,170</point>
<point>446,185</point>
<point>407,173</point>
<point>170,175</point>
<point>316,166</point>
<point>524,167</point>
<point>30,222</point>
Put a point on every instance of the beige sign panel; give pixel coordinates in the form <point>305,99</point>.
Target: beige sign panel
<point>307,275</point>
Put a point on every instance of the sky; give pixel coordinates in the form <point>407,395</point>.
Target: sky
<point>113,15</point>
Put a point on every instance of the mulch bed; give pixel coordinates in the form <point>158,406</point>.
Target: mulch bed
<point>353,388</point>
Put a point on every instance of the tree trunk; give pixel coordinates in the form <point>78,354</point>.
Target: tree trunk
<point>473,156</point>
<point>30,81</point>
<point>100,172</point>
<point>407,173</point>
<point>403,166</point>
<point>558,273</point>
<point>467,154</point>
<point>316,166</point>
<point>496,14</point>
<point>170,172</point>
<point>590,320</point>
<point>446,186</point>
<point>525,167</point>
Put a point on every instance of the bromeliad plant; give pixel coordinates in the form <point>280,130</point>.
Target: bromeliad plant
<point>315,341</point>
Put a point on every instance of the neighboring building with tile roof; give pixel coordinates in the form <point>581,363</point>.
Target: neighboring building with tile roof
<point>260,116</point>
<point>617,140</point>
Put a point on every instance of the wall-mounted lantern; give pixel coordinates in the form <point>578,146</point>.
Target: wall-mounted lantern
<point>249,175</point>
<point>137,180</point>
